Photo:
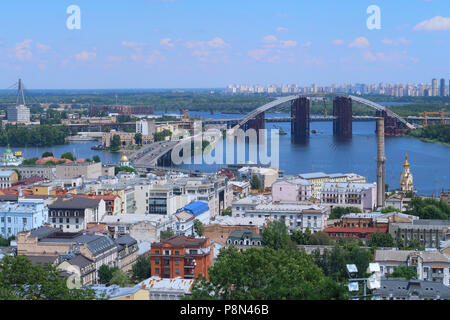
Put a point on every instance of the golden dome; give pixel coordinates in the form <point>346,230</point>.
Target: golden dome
<point>124,158</point>
<point>406,164</point>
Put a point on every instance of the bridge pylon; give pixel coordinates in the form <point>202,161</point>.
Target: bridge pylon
<point>343,123</point>
<point>300,119</point>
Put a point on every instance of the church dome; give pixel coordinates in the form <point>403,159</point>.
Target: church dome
<point>124,158</point>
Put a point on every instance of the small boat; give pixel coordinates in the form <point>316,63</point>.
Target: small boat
<point>314,131</point>
<point>281,132</point>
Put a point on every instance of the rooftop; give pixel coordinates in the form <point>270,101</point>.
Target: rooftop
<point>181,241</point>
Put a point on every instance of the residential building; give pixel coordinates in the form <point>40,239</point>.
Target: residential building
<point>245,238</point>
<point>76,261</point>
<point>267,176</point>
<point>47,241</point>
<point>19,113</point>
<point>87,170</point>
<point>127,253</point>
<point>126,138</point>
<point>292,190</point>
<point>72,214</point>
<point>115,292</point>
<point>401,289</point>
<point>46,172</point>
<point>167,289</point>
<point>180,256</point>
<point>241,189</point>
<point>8,178</point>
<point>26,214</point>
<point>429,265</point>
<point>346,194</point>
<point>220,229</point>
<point>428,232</point>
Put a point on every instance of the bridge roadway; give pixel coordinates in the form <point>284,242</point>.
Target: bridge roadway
<point>151,153</point>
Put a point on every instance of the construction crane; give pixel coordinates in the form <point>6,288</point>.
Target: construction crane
<point>184,115</point>
<point>426,114</point>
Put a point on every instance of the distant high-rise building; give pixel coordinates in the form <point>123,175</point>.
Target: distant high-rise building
<point>18,113</point>
<point>442,88</point>
<point>434,88</point>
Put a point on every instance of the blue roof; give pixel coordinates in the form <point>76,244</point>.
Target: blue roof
<point>196,208</point>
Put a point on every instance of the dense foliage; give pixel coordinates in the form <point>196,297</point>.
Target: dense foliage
<point>161,136</point>
<point>439,132</point>
<point>276,236</point>
<point>44,135</point>
<point>405,272</point>
<point>20,279</point>
<point>308,238</point>
<point>381,240</point>
<point>198,227</point>
<point>142,268</point>
<point>338,212</point>
<point>429,208</point>
<point>266,274</point>
<point>255,183</point>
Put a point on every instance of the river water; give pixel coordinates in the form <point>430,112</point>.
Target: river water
<point>430,163</point>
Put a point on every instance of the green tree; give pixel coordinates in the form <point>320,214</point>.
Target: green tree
<point>115,143</point>
<point>124,169</point>
<point>119,278</point>
<point>383,240</point>
<point>96,159</point>
<point>142,268</point>
<point>338,212</point>
<point>69,156</point>
<point>404,272</point>
<point>198,227</point>
<point>166,233</point>
<point>47,154</point>
<point>266,274</point>
<point>138,138</point>
<point>255,183</point>
<point>276,236</point>
<point>227,212</point>
<point>320,238</point>
<point>301,238</point>
<point>389,209</point>
<point>30,162</point>
<point>105,273</point>
<point>20,279</point>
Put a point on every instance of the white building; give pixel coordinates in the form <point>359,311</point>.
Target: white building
<point>18,113</point>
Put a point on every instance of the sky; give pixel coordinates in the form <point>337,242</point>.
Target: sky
<point>212,43</point>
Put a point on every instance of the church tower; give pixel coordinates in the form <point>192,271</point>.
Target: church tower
<point>406,178</point>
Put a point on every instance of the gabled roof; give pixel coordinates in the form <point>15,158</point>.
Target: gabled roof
<point>74,203</point>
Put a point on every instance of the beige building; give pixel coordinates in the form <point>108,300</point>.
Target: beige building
<point>87,170</point>
<point>126,138</point>
<point>8,178</point>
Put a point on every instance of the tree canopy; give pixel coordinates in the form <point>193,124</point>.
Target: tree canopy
<point>405,272</point>
<point>266,274</point>
<point>20,279</point>
<point>338,212</point>
<point>142,268</point>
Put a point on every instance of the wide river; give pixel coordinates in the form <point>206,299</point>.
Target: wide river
<point>430,163</point>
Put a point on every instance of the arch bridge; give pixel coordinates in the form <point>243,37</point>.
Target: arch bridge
<point>342,115</point>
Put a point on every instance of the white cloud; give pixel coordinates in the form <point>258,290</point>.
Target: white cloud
<point>288,44</point>
<point>360,43</point>
<point>42,47</point>
<point>338,42</point>
<point>85,56</point>
<point>23,51</point>
<point>258,54</point>
<point>132,44</point>
<point>396,42</point>
<point>166,42</point>
<point>282,29</point>
<point>155,57</point>
<point>217,43</point>
<point>437,23</point>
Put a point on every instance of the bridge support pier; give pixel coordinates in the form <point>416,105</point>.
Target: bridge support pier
<point>300,120</point>
<point>165,160</point>
<point>257,123</point>
<point>392,126</point>
<point>342,124</point>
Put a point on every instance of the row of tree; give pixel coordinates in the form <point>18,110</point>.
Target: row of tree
<point>439,132</point>
<point>40,136</point>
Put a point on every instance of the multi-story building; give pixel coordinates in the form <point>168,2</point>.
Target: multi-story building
<point>87,170</point>
<point>127,253</point>
<point>46,172</point>
<point>343,194</point>
<point>220,229</point>
<point>296,216</point>
<point>244,239</point>
<point>51,242</point>
<point>401,289</point>
<point>429,265</point>
<point>18,113</point>
<point>180,256</point>
<point>292,190</point>
<point>26,214</point>
<point>72,214</point>
<point>428,232</point>
<point>8,178</point>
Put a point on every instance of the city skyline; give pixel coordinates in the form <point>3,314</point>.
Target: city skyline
<point>203,44</point>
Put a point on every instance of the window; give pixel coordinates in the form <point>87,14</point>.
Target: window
<point>177,271</point>
<point>9,219</point>
<point>156,251</point>
<point>167,252</point>
<point>177,252</point>
<point>157,261</point>
<point>24,220</point>
<point>157,270</point>
<point>68,220</point>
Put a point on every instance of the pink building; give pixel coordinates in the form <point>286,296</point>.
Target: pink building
<point>292,190</point>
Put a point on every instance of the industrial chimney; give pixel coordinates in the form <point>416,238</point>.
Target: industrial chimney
<point>381,160</point>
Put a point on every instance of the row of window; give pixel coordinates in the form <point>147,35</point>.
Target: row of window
<point>24,220</point>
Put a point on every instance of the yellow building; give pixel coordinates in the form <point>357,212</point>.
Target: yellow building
<point>406,178</point>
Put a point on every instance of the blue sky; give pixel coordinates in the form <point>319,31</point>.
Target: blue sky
<point>211,43</point>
